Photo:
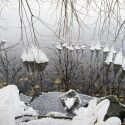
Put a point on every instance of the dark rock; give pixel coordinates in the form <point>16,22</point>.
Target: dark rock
<point>116,109</point>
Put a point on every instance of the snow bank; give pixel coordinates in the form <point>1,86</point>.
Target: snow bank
<point>11,106</point>
<point>34,54</point>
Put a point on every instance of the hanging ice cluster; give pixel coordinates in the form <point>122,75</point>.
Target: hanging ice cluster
<point>70,47</point>
<point>83,47</point>
<point>109,58</point>
<point>98,46</point>
<point>76,47</point>
<point>34,54</point>
<point>58,46</point>
<point>119,58</point>
<point>106,48</point>
<point>92,48</point>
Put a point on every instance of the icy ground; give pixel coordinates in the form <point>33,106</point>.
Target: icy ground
<point>13,111</point>
<point>49,102</point>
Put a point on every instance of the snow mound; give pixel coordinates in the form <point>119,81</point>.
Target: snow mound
<point>13,107</point>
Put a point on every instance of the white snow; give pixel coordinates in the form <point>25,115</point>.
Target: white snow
<point>119,58</point>
<point>106,48</point>
<point>11,106</point>
<point>56,114</point>
<point>91,115</point>
<point>69,102</point>
<point>34,54</point>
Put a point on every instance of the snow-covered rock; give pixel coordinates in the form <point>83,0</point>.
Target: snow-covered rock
<point>71,100</point>
<point>119,58</point>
